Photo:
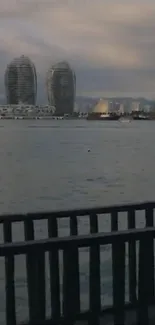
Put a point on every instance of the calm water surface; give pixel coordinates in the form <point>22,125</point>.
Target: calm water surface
<point>48,165</point>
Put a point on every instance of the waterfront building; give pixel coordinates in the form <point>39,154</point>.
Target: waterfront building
<point>21,82</point>
<point>102,112</point>
<point>121,109</point>
<point>147,108</point>
<point>135,106</point>
<point>102,107</point>
<point>61,88</point>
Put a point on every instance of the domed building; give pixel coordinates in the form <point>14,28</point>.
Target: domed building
<point>102,107</point>
<point>21,82</point>
<point>61,88</point>
<point>101,112</point>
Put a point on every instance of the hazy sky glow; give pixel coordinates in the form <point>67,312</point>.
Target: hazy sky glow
<point>110,44</point>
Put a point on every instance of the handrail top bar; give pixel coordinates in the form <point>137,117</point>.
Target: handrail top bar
<point>60,243</point>
<point>77,212</point>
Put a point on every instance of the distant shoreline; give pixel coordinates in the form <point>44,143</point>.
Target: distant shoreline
<point>58,118</point>
<point>40,118</point>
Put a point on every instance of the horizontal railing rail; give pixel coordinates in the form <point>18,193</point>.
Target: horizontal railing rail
<point>60,243</point>
<point>77,212</point>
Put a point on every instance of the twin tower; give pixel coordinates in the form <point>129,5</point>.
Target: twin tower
<point>21,85</point>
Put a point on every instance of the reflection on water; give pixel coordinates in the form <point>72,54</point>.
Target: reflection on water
<point>65,164</point>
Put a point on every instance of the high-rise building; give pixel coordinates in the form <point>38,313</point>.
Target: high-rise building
<point>61,88</point>
<point>21,82</point>
<point>135,106</point>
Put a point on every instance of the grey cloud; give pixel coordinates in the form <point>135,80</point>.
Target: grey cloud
<point>28,8</point>
<point>110,45</point>
<point>21,8</point>
<point>116,80</point>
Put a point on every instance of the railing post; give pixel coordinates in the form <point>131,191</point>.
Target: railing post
<point>143,288</point>
<point>31,272</point>
<point>118,271</point>
<point>132,260</point>
<point>114,221</point>
<point>94,276</point>
<point>39,260</point>
<point>150,255</point>
<point>9,278</point>
<point>54,270</point>
<point>75,265</point>
<point>69,308</point>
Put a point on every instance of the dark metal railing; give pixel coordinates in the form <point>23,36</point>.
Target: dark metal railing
<point>123,245</point>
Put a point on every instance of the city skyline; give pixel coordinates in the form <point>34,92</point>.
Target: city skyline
<point>110,44</point>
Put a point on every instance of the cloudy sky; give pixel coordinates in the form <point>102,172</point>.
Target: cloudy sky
<point>109,43</point>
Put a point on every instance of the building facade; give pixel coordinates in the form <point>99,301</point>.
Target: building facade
<point>61,88</point>
<point>21,82</point>
<point>135,106</point>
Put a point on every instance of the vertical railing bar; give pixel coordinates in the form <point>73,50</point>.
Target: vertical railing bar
<point>9,278</point>
<point>149,217</point>
<point>69,312</point>
<point>31,272</point>
<point>118,271</point>
<point>143,289</point>
<point>39,260</point>
<point>75,265</point>
<point>150,255</point>
<point>94,276</point>
<point>132,260</point>
<point>118,274</point>
<point>114,221</point>
<point>54,270</point>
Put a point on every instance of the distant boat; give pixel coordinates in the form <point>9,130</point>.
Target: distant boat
<point>103,117</point>
<point>141,117</point>
<point>125,120</point>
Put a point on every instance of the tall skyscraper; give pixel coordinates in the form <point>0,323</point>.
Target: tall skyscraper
<point>21,82</point>
<point>61,88</point>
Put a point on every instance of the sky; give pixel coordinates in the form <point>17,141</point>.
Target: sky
<point>109,43</point>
